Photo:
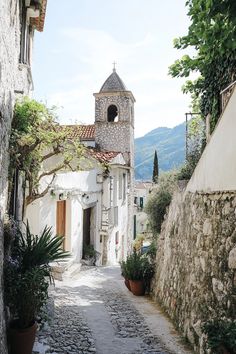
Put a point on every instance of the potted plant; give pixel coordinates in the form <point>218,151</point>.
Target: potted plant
<point>124,273</point>
<point>221,335</point>
<point>134,269</point>
<point>27,275</point>
<point>89,254</point>
<point>137,270</point>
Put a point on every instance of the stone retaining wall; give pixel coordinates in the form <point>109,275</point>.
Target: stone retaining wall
<point>196,261</point>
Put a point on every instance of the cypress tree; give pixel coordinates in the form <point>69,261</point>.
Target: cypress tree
<point>155,172</point>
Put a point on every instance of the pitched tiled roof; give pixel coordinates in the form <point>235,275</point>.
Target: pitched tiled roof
<point>82,132</point>
<point>87,132</point>
<point>38,22</point>
<point>103,156</point>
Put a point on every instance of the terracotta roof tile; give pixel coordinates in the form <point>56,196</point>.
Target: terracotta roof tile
<point>82,132</point>
<point>103,156</point>
<point>38,22</point>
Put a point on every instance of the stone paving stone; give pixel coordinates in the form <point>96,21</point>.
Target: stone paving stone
<point>69,332</point>
<point>127,321</point>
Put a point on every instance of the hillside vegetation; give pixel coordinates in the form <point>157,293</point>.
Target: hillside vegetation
<point>170,146</point>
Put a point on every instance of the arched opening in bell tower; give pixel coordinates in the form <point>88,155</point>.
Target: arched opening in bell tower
<point>112,113</point>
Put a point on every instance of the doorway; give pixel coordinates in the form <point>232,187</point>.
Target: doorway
<point>86,228</point>
<point>61,220</point>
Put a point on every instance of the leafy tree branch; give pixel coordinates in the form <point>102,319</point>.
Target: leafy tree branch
<point>36,141</point>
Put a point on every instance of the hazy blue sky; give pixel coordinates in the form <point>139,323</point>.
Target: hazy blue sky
<point>82,38</point>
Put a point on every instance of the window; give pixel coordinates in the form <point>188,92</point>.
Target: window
<point>114,191</point>
<point>25,40</point>
<point>116,215</point>
<point>120,186</point>
<point>135,226</point>
<point>112,113</point>
<point>117,237</point>
<point>124,186</point>
<point>111,217</point>
<point>141,202</point>
<point>111,191</point>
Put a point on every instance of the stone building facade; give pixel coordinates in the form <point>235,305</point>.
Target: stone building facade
<point>16,36</point>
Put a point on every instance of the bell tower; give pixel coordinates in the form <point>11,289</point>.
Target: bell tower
<point>114,118</point>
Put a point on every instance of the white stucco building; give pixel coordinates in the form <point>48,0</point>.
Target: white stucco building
<point>141,193</point>
<point>95,206</point>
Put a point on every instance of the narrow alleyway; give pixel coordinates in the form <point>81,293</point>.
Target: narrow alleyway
<point>95,313</point>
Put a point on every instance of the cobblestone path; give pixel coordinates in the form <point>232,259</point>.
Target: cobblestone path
<point>94,314</point>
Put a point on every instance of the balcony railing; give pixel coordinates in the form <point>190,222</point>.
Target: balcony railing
<point>226,94</point>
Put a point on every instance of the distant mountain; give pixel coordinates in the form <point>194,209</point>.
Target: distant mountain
<point>170,146</point>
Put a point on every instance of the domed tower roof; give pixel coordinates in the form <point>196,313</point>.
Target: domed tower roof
<point>113,83</point>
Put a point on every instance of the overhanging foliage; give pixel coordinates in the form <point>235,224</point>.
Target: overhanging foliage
<point>212,33</point>
<point>35,138</point>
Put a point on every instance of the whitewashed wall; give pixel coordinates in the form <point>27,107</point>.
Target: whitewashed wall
<point>85,192</point>
<point>216,170</point>
<point>42,212</point>
<point>117,246</point>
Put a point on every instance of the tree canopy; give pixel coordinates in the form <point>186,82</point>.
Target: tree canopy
<point>35,138</point>
<point>212,33</point>
<point>155,172</point>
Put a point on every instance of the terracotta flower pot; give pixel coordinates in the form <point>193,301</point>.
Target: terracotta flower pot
<point>137,287</point>
<point>21,341</point>
<point>127,283</point>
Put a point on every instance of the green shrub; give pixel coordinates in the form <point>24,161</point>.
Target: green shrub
<point>185,172</point>
<point>134,266</point>
<point>160,199</point>
<point>89,251</point>
<point>152,250</point>
<point>221,332</point>
<point>27,273</point>
<point>124,271</point>
<point>156,208</point>
<point>137,267</point>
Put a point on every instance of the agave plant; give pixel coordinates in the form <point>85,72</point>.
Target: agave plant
<point>38,250</point>
<point>27,273</point>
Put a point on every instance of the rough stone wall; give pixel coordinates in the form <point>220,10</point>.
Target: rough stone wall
<point>122,100</point>
<point>15,79</point>
<point>196,261</point>
<point>114,136</point>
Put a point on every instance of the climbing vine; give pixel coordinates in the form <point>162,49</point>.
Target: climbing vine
<point>212,34</point>
<point>39,147</point>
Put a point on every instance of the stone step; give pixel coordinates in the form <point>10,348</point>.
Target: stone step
<point>59,268</point>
